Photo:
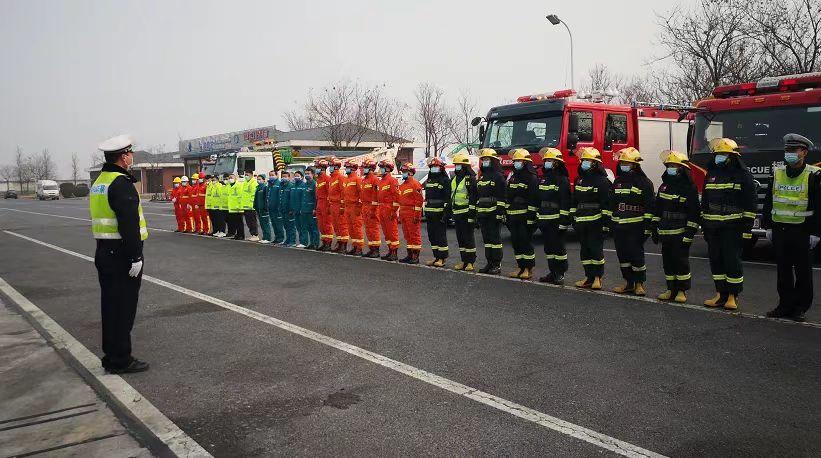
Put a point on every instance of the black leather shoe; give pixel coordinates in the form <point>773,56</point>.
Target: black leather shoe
<point>777,312</point>
<point>798,317</point>
<point>494,270</point>
<point>134,366</point>
<point>558,279</point>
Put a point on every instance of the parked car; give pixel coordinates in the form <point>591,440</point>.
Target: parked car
<point>47,189</point>
<point>81,190</point>
<point>10,194</point>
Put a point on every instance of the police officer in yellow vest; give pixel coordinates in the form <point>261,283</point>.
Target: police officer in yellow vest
<point>118,224</point>
<point>793,226</point>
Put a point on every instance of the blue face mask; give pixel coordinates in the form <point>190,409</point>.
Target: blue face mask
<point>791,158</point>
<point>297,179</point>
<point>434,170</point>
<point>586,165</point>
<point>366,171</point>
<point>486,163</point>
<point>625,168</point>
<point>348,170</point>
<point>518,165</point>
<point>720,159</point>
<point>672,171</point>
<point>457,167</point>
<point>548,165</point>
<point>272,180</point>
<point>405,175</point>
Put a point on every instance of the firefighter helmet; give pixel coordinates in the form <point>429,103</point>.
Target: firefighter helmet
<point>488,152</point>
<point>629,154</point>
<point>184,179</point>
<point>322,163</point>
<point>195,176</point>
<point>723,145</point>
<point>177,179</point>
<point>461,158</point>
<point>674,157</point>
<point>435,162</point>
<point>387,165</point>
<point>407,167</point>
<point>520,154</point>
<point>551,153</point>
<point>351,165</point>
<point>588,152</point>
<point>336,162</point>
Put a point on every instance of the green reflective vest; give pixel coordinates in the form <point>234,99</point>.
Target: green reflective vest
<point>223,191</point>
<point>460,192</point>
<point>235,197</point>
<point>103,218</point>
<point>791,195</point>
<point>209,195</point>
<point>249,191</point>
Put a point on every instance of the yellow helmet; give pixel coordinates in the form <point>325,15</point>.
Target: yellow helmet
<point>177,180</point>
<point>195,176</point>
<point>674,157</point>
<point>551,153</point>
<point>520,154</point>
<point>724,145</point>
<point>461,158</point>
<point>629,154</point>
<point>588,152</point>
<point>488,152</point>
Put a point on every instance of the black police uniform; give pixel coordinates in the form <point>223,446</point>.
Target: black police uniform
<point>113,259</point>
<point>591,214</point>
<point>437,200</point>
<point>554,217</point>
<point>675,222</point>
<point>631,206</point>
<point>490,213</point>
<point>522,201</point>
<point>464,216</point>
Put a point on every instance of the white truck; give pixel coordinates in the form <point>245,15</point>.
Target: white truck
<point>47,189</point>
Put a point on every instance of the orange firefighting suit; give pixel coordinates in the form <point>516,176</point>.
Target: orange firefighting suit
<point>337,207</point>
<point>410,212</point>
<point>353,209</point>
<point>370,209</point>
<point>323,212</point>
<point>388,204</point>
<point>178,212</point>
<point>186,205</point>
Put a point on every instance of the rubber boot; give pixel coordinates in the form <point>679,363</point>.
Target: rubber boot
<point>486,268</point>
<point>681,297</point>
<point>516,273</point>
<point>639,290</point>
<point>527,274</point>
<point>432,262</point>
<point>626,288</point>
<point>414,257</point>
<point>596,283</point>
<point>459,266</point>
<point>665,296</point>
<point>495,269</point>
<point>407,258</point>
<point>548,278</point>
<point>583,283</point>
<point>468,267</point>
<point>730,303</point>
<point>716,301</point>
<point>558,279</point>
<point>439,263</point>
<point>372,253</point>
<point>323,247</point>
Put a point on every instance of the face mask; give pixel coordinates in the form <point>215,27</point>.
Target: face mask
<point>247,177</point>
<point>128,165</point>
<point>548,165</point>
<point>260,181</point>
<point>382,170</point>
<point>232,181</point>
<point>366,171</point>
<point>434,170</point>
<point>486,163</point>
<point>625,168</point>
<point>404,175</point>
<point>586,165</point>
<point>458,167</point>
<point>518,165</point>
<point>348,170</point>
<point>185,183</point>
<point>720,159</point>
<point>201,180</point>
<point>176,185</point>
<point>297,179</point>
<point>672,171</point>
<point>791,158</point>
<point>309,178</point>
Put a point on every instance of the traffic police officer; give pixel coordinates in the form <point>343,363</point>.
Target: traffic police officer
<point>119,227</point>
<point>792,226</point>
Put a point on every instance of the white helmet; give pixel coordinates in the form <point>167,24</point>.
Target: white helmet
<point>184,178</point>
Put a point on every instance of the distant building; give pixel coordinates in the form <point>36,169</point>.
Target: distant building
<point>156,172</point>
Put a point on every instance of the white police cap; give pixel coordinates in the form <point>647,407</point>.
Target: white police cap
<point>118,144</point>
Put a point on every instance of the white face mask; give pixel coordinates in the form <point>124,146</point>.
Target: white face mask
<point>231,180</point>
<point>201,180</point>
<point>486,163</point>
<point>128,165</point>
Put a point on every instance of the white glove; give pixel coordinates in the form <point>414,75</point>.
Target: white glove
<point>136,268</point>
<point>174,200</point>
<point>814,239</point>
<point>770,235</point>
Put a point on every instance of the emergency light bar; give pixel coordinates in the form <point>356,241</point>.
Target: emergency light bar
<point>563,94</point>
<point>784,83</point>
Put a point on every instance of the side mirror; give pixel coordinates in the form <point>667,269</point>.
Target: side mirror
<point>572,140</point>
<point>481,132</point>
<point>476,121</point>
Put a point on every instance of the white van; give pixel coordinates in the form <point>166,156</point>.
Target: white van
<point>48,189</point>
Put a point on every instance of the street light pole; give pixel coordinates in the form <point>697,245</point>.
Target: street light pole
<point>556,21</point>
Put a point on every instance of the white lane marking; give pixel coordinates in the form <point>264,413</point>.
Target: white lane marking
<point>164,429</point>
<point>548,421</point>
<point>69,217</point>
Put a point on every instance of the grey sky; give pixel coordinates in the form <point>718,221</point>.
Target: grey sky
<point>77,72</point>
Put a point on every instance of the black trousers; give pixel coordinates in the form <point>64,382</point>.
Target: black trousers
<point>212,214</point>
<point>521,237</point>
<point>466,237</point>
<point>251,221</point>
<point>437,234</point>
<point>793,257</point>
<point>235,226</point>
<point>119,294</point>
<point>629,243</point>
<point>675,258</point>
<point>591,252</point>
<point>554,247</point>
<point>724,247</point>
<point>219,224</point>
<point>492,238</point>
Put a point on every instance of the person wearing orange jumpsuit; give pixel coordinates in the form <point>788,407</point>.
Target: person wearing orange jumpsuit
<point>185,204</point>
<point>323,212</point>
<point>410,213</point>
<point>370,207</point>
<point>388,204</point>
<point>197,198</point>
<point>353,208</point>
<point>337,206</point>
<point>175,198</point>
<point>205,220</point>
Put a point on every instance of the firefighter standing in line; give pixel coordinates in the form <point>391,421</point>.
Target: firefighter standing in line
<point>793,226</point>
<point>370,207</point>
<point>353,208</point>
<point>490,208</point>
<point>295,205</point>
<point>185,204</point>
<point>554,213</point>
<point>522,199</point>
<point>631,216</point>
<point>463,208</point>
<point>675,222</point>
<point>388,196</point>
<point>437,203</point>
<point>728,206</point>
<point>410,213</point>
<point>285,210</point>
<point>274,187</point>
<point>120,229</point>
<point>175,198</point>
<point>591,214</point>
<point>337,206</point>
<point>249,190</point>
<point>236,229</point>
<point>323,209</point>
<point>307,212</point>
<point>261,209</point>
<point>224,191</point>
<point>194,198</point>
<point>202,215</point>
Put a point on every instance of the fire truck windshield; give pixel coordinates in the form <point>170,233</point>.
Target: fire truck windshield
<point>757,130</point>
<point>531,132</point>
<point>225,164</point>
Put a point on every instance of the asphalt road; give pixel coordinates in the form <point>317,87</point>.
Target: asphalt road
<point>673,380</point>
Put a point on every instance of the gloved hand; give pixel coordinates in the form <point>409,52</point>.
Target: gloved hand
<point>174,200</point>
<point>814,239</point>
<point>655,236</point>
<point>770,235</point>
<point>136,268</point>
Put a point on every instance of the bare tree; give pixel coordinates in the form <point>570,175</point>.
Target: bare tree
<point>601,81</point>
<point>7,174</point>
<point>787,33</point>
<point>433,118</point>
<point>341,110</point>
<point>387,116</point>
<point>75,167</point>
<point>22,168</point>
<point>465,110</point>
<point>298,121</point>
<point>42,166</point>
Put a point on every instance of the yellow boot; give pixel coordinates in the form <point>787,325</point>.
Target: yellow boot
<point>639,290</point>
<point>731,303</point>
<point>666,296</point>
<point>468,267</point>
<point>681,297</point>
<point>596,283</point>
<point>583,283</point>
<point>526,274</point>
<point>439,263</point>
<point>714,301</point>
<point>459,266</point>
<point>626,288</point>
<point>431,262</point>
<point>516,273</point>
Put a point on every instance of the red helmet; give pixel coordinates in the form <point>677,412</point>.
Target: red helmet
<point>407,167</point>
<point>349,164</point>
<point>369,163</point>
<point>388,165</point>
<point>336,162</point>
<point>322,163</point>
<point>435,162</point>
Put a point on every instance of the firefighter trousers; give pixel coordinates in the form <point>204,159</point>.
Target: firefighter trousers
<point>353,217</point>
<point>521,237</point>
<point>412,230</point>
<point>555,250</point>
<point>437,226</point>
<point>370,216</point>
<point>339,223</point>
<point>466,237</point>
<point>629,241</point>
<point>323,220</point>
<point>724,247</point>
<point>794,261</point>
<point>492,238</point>
<point>675,258</point>
<point>591,249</point>
<point>390,229</point>
<point>180,216</point>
